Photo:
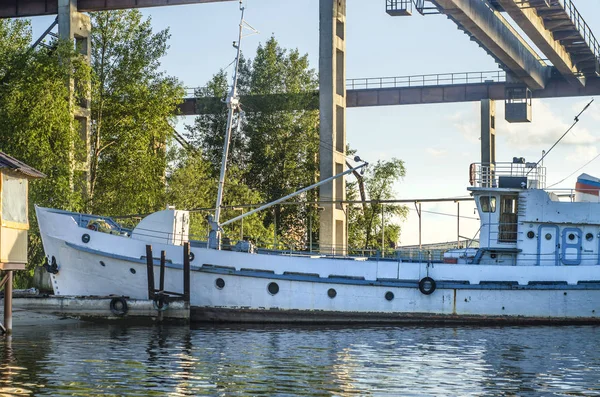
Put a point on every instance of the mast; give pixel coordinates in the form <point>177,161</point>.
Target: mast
<point>233,104</point>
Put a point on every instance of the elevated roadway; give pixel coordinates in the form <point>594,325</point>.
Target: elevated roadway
<point>560,32</point>
<point>30,8</point>
<point>405,90</point>
<point>486,26</point>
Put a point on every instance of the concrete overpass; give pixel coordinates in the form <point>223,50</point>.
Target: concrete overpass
<point>407,90</point>
<point>31,8</point>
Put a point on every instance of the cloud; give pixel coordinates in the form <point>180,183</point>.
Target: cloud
<point>436,152</point>
<point>582,154</point>
<point>466,124</point>
<point>544,130</point>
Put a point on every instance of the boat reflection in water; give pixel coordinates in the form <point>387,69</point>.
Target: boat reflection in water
<point>307,361</point>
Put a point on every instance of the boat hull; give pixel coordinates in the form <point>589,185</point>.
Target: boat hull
<point>241,287</point>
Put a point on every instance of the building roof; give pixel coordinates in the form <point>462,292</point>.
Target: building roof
<point>12,163</point>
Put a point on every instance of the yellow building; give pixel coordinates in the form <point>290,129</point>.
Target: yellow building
<point>14,219</point>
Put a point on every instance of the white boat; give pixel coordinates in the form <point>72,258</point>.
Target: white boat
<point>538,260</point>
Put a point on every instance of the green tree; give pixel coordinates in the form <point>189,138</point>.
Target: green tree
<point>208,131</point>
<point>365,222</point>
<point>275,152</point>
<point>36,122</point>
<point>133,107</point>
<point>283,144</point>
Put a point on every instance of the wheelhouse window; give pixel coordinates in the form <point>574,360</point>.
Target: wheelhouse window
<point>507,227</point>
<point>488,203</point>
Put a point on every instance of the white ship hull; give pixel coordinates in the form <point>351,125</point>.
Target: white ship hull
<point>373,290</point>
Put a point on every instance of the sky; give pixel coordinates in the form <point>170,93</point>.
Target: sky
<point>437,142</point>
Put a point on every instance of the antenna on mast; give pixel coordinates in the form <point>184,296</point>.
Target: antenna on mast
<point>233,106</point>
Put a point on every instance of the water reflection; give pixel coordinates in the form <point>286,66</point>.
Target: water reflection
<point>307,361</point>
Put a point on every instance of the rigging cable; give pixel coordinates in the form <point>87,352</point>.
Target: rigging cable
<point>571,174</point>
<point>562,136</point>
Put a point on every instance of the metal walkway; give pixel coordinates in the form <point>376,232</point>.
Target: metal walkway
<point>565,25</point>
<point>401,90</point>
<point>555,26</point>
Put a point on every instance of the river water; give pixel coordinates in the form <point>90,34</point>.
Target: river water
<point>87,360</point>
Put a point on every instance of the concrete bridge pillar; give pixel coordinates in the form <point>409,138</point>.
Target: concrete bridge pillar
<point>488,138</point>
<point>332,107</point>
<point>76,27</point>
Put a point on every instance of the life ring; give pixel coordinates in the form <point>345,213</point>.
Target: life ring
<point>427,285</point>
<point>118,306</point>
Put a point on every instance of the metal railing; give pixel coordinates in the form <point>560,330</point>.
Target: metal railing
<point>581,26</point>
<point>424,80</point>
<point>421,80</point>
<point>488,175</point>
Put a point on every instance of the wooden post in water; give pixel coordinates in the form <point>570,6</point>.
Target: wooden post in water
<point>186,272</point>
<point>8,288</point>
<point>163,260</point>
<point>150,271</point>
<point>7,283</point>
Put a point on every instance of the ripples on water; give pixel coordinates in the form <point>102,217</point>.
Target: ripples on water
<point>307,361</point>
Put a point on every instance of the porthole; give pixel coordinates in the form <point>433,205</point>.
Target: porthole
<point>530,234</point>
<point>102,264</point>
<point>548,236</point>
<point>192,256</point>
<point>273,288</point>
<point>331,293</point>
<point>389,295</point>
<point>85,238</point>
<point>132,270</point>
<point>589,237</point>
<point>219,283</point>
<point>571,236</point>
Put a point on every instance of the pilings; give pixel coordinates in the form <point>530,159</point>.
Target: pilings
<point>7,283</point>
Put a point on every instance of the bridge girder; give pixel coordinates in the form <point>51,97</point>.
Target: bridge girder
<point>541,34</point>
<point>487,27</point>
<point>31,8</point>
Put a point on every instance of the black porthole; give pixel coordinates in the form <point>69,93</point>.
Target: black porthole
<point>331,293</point>
<point>219,283</point>
<point>192,256</point>
<point>85,238</point>
<point>273,288</point>
<point>589,237</point>
<point>389,295</point>
<point>102,264</point>
<point>530,234</point>
<point>548,236</point>
<point>132,270</point>
<point>571,236</point>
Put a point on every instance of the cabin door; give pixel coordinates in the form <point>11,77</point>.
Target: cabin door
<point>507,225</point>
<point>571,246</point>
<point>548,245</point>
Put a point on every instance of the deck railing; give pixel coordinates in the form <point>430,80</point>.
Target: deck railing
<point>513,175</point>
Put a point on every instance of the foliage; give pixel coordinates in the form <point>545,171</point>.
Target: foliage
<point>365,222</point>
<point>275,151</point>
<point>36,122</point>
<point>133,104</point>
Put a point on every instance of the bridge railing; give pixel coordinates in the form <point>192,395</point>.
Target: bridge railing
<point>422,80</point>
<point>496,76</point>
<point>582,27</point>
